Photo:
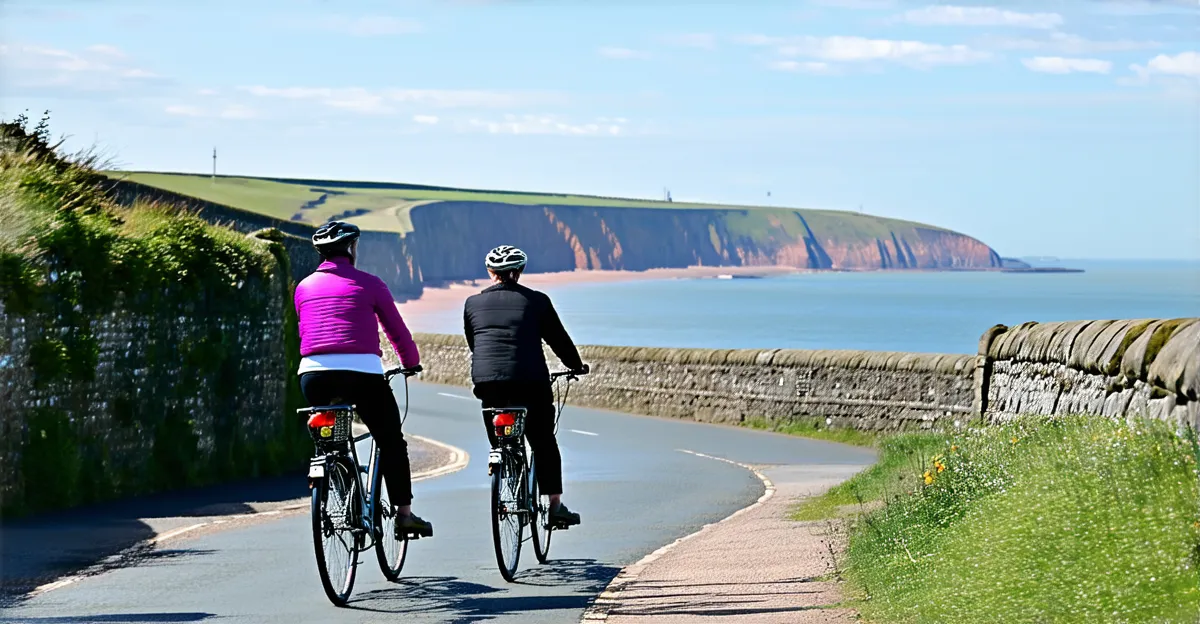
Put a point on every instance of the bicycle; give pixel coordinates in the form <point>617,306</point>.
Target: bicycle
<point>516,502</point>
<point>344,520</point>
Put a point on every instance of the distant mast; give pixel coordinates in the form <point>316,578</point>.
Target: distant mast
<point>214,173</point>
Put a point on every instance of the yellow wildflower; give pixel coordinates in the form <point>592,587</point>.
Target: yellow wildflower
<point>953,448</point>
<point>1014,440</point>
<point>928,477</point>
<point>940,466</point>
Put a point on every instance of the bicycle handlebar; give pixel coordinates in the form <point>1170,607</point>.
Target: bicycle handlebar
<point>571,374</point>
<point>407,372</point>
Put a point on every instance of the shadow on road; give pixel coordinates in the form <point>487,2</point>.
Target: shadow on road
<point>115,618</point>
<point>92,539</point>
<point>576,582</point>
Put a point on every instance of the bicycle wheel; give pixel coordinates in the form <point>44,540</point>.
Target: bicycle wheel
<point>539,524</point>
<point>507,525</point>
<point>334,501</point>
<point>388,549</point>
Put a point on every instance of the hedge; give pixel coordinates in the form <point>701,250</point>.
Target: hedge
<point>141,349</point>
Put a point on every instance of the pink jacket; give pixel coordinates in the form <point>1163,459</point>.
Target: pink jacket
<point>338,306</point>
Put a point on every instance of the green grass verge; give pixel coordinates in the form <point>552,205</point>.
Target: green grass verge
<point>1063,520</point>
<point>899,463</point>
<point>815,429</point>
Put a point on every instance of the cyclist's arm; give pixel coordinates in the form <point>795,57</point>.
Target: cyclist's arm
<point>556,336</point>
<point>468,331</point>
<point>393,325</point>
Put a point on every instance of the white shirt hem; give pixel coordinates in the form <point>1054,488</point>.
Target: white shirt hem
<point>355,362</point>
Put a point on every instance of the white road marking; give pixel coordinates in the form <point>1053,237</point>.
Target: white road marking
<point>581,432</point>
<point>457,396</point>
<point>600,607</point>
<point>174,532</point>
<point>458,460</point>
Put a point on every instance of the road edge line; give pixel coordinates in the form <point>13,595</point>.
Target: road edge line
<point>458,460</point>
<point>600,607</point>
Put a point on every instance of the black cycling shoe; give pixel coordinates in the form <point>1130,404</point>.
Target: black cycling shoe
<point>413,526</point>
<point>561,517</point>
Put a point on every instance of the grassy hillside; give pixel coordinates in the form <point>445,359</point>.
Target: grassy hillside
<point>384,207</point>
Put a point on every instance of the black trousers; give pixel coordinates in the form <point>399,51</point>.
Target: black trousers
<point>376,405</point>
<point>538,400</point>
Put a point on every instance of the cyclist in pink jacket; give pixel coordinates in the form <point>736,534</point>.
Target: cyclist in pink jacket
<point>340,310</point>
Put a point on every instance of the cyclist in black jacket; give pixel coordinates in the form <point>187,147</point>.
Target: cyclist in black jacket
<point>505,326</point>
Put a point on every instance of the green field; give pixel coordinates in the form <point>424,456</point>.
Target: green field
<point>387,208</point>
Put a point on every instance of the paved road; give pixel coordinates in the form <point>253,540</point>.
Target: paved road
<point>624,474</point>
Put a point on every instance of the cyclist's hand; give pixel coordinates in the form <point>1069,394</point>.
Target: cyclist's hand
<point>586,369</point>
<point>409,372</point>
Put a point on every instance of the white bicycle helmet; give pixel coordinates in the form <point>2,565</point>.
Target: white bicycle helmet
<point>506,258</point>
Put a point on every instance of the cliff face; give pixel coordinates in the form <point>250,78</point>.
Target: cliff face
<point>449,238</point>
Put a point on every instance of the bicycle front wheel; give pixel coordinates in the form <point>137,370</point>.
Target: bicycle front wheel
<point>507,527</point>
<point>539,524</point>
<point>389,549</point>
<point>334,501</point>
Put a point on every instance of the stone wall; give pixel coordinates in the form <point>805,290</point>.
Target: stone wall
<point>859,389</point>
<point>1144,367</point>
<point>189,391</point>
<point>1116,368</point>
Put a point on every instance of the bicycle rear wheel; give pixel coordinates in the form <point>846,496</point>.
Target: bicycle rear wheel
<point>507,525</point>
<point>539,524</point>
<point>389,549</point>
<point>335,499</point>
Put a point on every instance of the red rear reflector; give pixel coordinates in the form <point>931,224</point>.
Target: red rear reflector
<point>504,419</point>
<point>321,419</point>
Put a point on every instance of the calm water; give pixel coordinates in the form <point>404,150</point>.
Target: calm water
<point>931,312</point>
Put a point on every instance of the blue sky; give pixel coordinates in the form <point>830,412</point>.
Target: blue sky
<point>1048,128</point>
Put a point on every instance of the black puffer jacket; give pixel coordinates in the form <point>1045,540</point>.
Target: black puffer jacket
<point>505,326</point>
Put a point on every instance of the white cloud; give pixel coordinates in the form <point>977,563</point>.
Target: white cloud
<point>382,101</point>
<point>807,67</point>
<point>428,120</point>
<point>944,15</point>
<point>622,53</point>
<point>183,110</point>
<point>207,92</point>
<point>97,68</point>
<point>1065,43</point>
<point>1178,75</point>
<point>546,124</point>
<point>365,26</point>
<point>1060,65</point>
<point>691,40</point>
<point>1185,64</point>
<point>860,49</point>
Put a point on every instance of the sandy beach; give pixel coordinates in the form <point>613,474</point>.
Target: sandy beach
<point>435,302</point>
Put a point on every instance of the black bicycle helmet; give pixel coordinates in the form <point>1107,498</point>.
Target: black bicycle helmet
<point>506,258</point>
<point>335,235</point>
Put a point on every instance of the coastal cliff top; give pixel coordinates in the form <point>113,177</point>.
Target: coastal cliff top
<point>384,206</point>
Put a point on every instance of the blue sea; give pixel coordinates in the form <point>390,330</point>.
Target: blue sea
<point>940,312</point>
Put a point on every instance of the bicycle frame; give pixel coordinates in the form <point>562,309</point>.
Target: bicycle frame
<point>320,465</point>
